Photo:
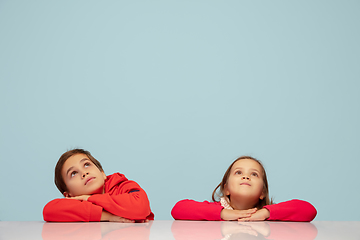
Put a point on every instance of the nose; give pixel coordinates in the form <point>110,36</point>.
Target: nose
<point>246,177</point>
<point>84,174</point>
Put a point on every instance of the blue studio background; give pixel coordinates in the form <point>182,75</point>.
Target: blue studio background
<point>171,92</point>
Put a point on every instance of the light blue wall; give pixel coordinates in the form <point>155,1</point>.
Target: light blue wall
<point>171,92</point>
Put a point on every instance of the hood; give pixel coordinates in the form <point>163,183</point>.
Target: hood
<point>114,180</point>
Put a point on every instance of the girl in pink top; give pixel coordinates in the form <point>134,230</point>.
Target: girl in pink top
<point>244,196</point>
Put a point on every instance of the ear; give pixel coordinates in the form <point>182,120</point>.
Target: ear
<point>227,193</point>
<point>263,195</point>
<point>66,194</point>
<point>104,175</point>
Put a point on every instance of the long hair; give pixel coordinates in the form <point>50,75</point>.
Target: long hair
<point>262,202</point>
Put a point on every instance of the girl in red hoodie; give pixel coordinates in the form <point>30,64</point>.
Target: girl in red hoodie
<point>90,195</point>
<point>244,196</point>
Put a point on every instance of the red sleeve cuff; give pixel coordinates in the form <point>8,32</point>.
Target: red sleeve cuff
<point>95,213</point>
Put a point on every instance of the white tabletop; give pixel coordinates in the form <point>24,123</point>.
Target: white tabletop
<point>181,230</point>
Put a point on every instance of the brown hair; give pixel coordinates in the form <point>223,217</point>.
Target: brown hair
<point>265,201</point>
<point>59,181</point>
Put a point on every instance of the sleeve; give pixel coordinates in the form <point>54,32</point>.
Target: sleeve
<point>294,210</point>
<point>192,210</point>
<point>71,210</point>
<point>127,200</point>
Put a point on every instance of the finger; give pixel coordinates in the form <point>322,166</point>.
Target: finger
<point>125,220</point>
<point>75,198</point>
<point>251,210</point>
<point>128,220</point>
<point>250,220</point>
<point>244,215</point>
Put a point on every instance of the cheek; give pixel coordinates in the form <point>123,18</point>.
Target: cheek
<point>102,182</point>
<point>70,187</point>
<point>232,185</point>
<point>261,187</point>
<point>73,185</point>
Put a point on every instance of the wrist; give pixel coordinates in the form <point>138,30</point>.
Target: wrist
<point>227,214</point>
<point>223,214</point>
<point>105,216</point>
<point>266,213</point>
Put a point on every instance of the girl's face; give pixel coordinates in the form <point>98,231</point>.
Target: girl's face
<point>82,177</point>
<point>245,180</point>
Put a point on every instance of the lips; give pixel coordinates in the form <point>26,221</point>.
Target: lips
<point>246,184</point>
<point>89,179</point>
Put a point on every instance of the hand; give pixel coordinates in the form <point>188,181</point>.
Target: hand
<point>227,214</point>
<point>106,216</point>
<point>260,215</point>
<point>115,218</point>
<point>80,198</point>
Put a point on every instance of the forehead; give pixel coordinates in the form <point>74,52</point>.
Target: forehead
<point>73,161</point>
<point>247,163</point>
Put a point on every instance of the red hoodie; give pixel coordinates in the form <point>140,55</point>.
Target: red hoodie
<point>294,210</point>
<point>122,197</point>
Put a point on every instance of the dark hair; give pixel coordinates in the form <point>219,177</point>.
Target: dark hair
<point>265,201</point>
<point>59,181</point>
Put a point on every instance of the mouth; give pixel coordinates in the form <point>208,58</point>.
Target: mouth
<point>89,180</point>
<point>245,184</point>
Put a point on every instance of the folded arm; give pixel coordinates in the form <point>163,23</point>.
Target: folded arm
<point>128,201</point>
<point>71,210</point>
<point>294,210</point>
<point>192,210</point>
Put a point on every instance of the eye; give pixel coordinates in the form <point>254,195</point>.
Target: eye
<point>254,174</point>
<point>238,172</point>
<point>73,173</point>
<point>87,164</point>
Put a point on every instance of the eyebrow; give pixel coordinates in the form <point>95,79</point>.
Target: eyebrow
<point>252,169</point>
<point>82,160</point>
